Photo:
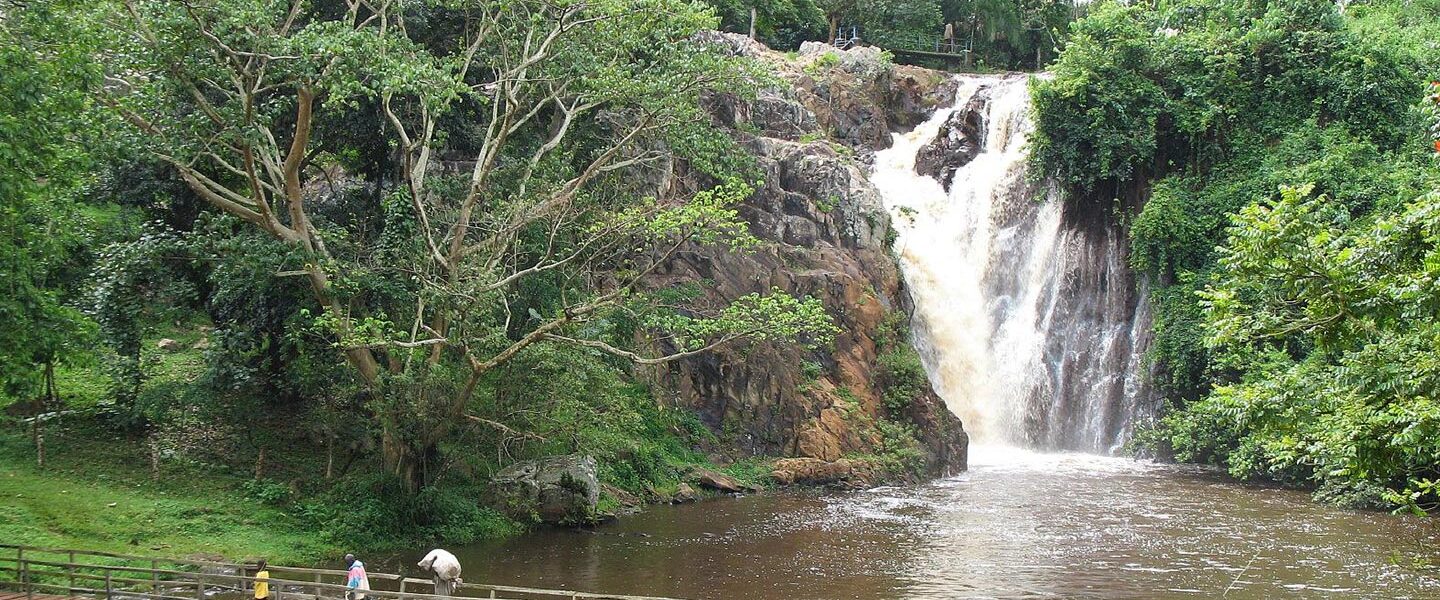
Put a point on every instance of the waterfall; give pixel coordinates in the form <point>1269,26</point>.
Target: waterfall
<point>1029,322</point>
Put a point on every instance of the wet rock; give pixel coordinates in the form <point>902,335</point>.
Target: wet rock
<point>959,141</point>
<point>914,94</point>
<point>169,345</point>
<point>559,489</point>
<point>813,471</point>
<point>719,482</point>
<point>626,499</point>
<point>684,494</point>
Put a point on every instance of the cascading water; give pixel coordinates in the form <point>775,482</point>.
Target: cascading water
<point>1028,320</point>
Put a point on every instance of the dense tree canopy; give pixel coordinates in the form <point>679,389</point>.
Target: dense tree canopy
<point>421,235</point>
<point>1299,348</point>
<point>1004,34</point>
<point>513,126</point>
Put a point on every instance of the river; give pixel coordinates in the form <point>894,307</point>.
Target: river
<point>1017,525</point>
<point>1034,331</point>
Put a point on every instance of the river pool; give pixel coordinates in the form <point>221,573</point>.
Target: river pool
<point>1017,525</point>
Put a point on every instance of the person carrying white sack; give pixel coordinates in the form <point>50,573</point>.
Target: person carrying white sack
<point>444,570</point>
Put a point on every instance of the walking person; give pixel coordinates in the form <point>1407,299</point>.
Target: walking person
<point>444,571</point>
<point>262,580</point>
<point>356,579</point>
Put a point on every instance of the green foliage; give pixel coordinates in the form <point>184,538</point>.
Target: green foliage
<point>1331,325</point>
<point>899,454</point>
<point>1146,91</point>
<point>96,492</point>
<point>1299,349</point>
<point>1011,34</point>
<point>376,512</point>
<point>811,370</point>
<point>779,23</point>
<point>901,374</point>
<point>818,68</point>
<point>43,227</point>
<point>888,23</point>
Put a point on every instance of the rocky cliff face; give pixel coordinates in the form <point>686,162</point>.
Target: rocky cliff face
<point>826,235</point>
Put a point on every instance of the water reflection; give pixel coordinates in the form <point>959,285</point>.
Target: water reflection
<point>1018,525</point>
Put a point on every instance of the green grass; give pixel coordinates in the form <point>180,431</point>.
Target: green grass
<point>96,494</point>
<point>754,471</point>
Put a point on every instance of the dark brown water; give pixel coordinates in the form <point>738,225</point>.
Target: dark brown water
<point>1017,525</point>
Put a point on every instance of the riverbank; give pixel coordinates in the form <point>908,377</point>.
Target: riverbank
<point>98,492</point>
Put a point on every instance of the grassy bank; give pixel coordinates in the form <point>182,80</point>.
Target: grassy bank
<point>249,484</point>
<point>97,494</point>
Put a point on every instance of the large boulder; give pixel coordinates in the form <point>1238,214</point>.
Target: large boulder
<point>813,471</point>
<point>720,482</point>
<point>684,494</point>
<point>959,141</point>
<point>562,490</point>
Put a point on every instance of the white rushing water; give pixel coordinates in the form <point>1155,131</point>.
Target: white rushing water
<point>1027,319</point>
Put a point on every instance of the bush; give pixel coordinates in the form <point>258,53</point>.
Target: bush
<point>902,377</point>
<point>375,512</point>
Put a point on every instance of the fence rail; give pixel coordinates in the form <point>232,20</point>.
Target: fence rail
<point>75,573</point>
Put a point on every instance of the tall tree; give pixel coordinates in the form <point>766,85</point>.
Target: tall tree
<point>835,11</point>
<point>520,130</point>
<point>42,85</point>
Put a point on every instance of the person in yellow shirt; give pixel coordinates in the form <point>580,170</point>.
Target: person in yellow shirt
<point>262,580</point>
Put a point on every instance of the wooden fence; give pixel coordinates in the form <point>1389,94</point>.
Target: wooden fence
<point>78,573</point>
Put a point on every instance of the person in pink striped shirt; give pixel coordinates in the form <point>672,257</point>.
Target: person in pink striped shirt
<point>356,579</point>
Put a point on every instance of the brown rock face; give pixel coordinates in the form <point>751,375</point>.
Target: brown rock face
<point>813,471</point>
<point>827,235</point>
<point>959,141</point>
<point>854,97</point>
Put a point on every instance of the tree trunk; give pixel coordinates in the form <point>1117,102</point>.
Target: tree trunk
<point>400,458</point>
<point>45,405</point>
<point>834,26</point>
<point>329,456</point>
<point>260,464</point>
<point>752,22</point>
<point>154,460</point>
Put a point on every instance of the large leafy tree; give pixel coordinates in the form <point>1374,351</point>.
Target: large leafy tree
<point>42,97</point>
<point>780,23</point>
<point>516,213</point>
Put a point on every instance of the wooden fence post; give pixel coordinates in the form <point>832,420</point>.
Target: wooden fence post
<point>154,578</point>
<point>24,567</point>
<point>71,568</point>
<point>108,587</point>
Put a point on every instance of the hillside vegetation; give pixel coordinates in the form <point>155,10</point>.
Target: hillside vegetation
<point>336,263</point>
<point>1288,154</point>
